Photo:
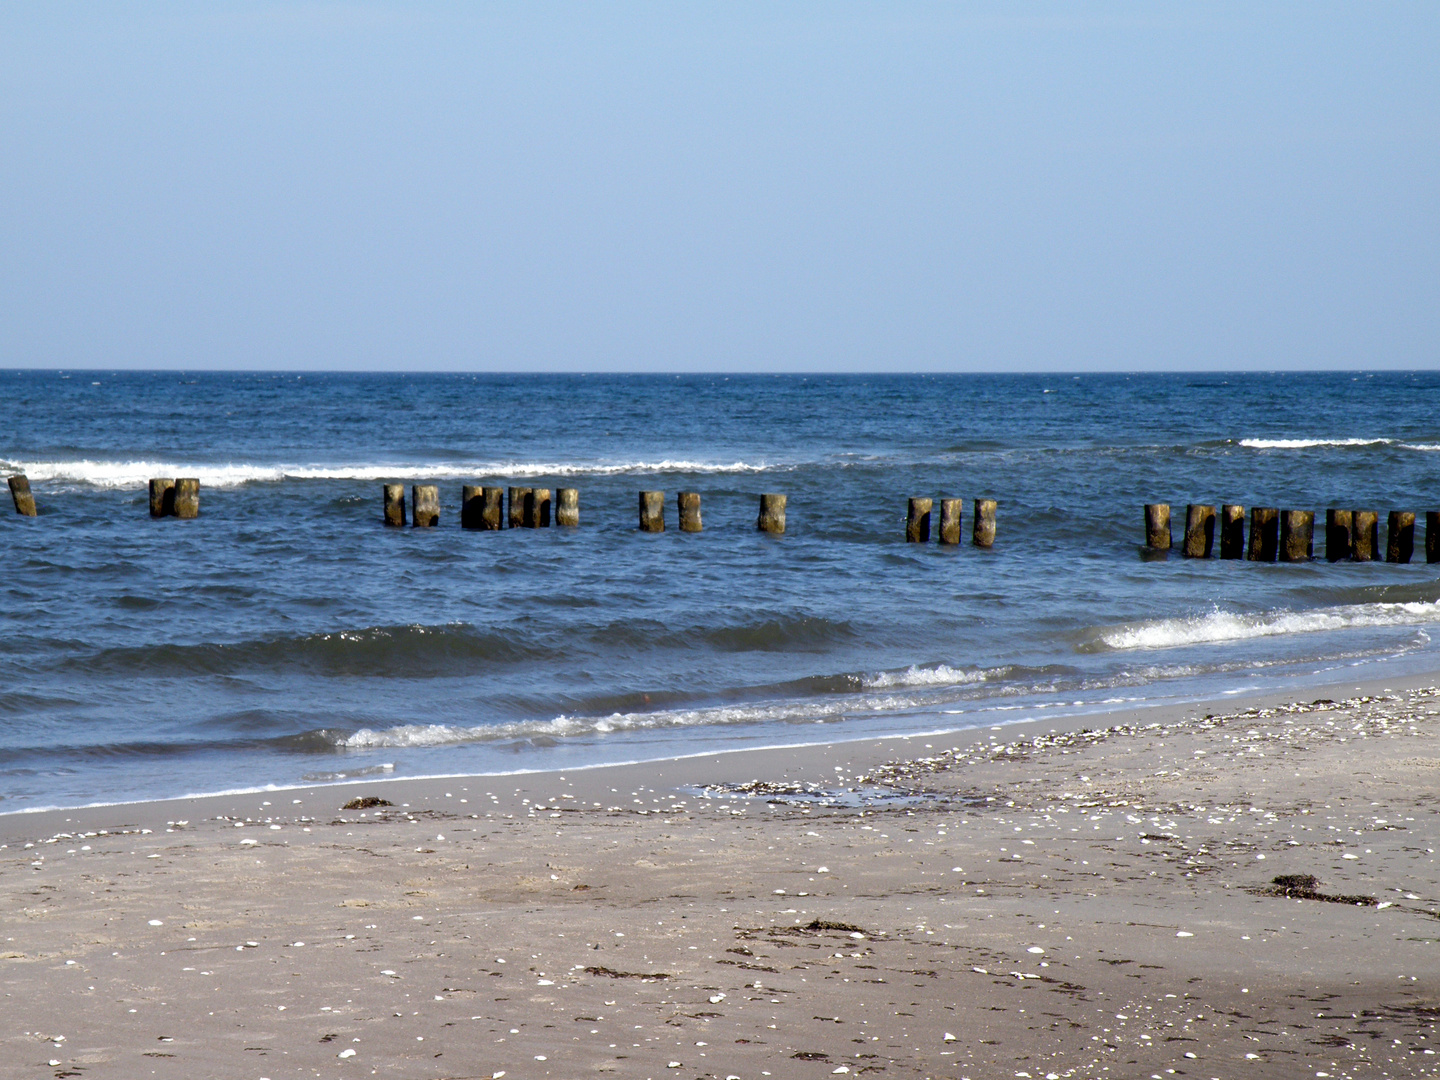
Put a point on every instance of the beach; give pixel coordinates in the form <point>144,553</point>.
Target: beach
<point>1082,898</point>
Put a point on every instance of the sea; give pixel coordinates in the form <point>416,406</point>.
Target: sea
<point>286,636</point>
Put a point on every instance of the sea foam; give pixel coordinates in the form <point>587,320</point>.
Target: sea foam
<point>1224,626</point>
<point>136,474</point>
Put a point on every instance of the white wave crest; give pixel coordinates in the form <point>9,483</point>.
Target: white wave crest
<point>136,474</point>
<point>1305,444</point>
<point>939,675</point>
<point>1223,626</point>
<point>794,712</point>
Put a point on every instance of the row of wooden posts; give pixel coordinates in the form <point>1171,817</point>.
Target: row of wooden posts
<point>492,508</point>
<point>1289,535</point>
<point>917,521</point>
<point>1283,535</point>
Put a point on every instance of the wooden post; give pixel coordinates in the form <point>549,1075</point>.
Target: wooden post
<point>187,497</point>
<point>1264,534</point>
<point>1232,531</point>
<point>950,510</point>
<point>162,498</point>
<point>567,507</point>
<point>1199,531</point>
<point>424,506</point>
<point>917,521</point>
<point>394,504</point>
<point>1157,526</point>
<point>687,505</point>
<point>472,507</point>
<point>1400,536</point>
<point>20,493</point>
<point>772,514</point>
<point>1338,524</point>
<point>517,507</point>
<point>652,511</point>
<point>537,508</point>
<point>1364,535</point>
<point>1297,535</point>
<point>1432,536</point>
<point>982,532</point>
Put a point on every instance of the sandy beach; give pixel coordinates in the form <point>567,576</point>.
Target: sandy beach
<point>1096,898</point>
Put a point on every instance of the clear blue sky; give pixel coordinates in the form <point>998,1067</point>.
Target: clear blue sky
<point>700,187</point>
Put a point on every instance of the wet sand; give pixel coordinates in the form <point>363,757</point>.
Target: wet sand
<point>1033,901</point>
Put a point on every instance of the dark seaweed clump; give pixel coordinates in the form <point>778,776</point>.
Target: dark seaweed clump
<point>1307,887</point>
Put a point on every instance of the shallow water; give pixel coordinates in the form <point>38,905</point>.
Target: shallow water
<point>287,635</point>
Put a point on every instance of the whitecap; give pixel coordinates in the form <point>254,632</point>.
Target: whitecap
<point>1218,626</point>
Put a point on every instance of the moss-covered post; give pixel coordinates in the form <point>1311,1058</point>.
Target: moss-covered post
<point>187,497</point>
<point>1199,531</point>
<point>1232,531</point>
<point>424,506</point>
<point>950,510</point>
<point>1157,526</point>
<point>652,511</point>
<point>1400,536</point>
<point>20,495</point>
<point>1264,534</point>
<point>516,516</point>
<point>162,498</point>
<point>1364,535</point>
<point>1297,535</point>
<point>917,521</point>
<point>772,514</point>
<point>567,507</point>
<point>982,531</point>
<point>687,504</point>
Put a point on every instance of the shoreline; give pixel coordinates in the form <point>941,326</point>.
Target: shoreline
<point>798,757</point>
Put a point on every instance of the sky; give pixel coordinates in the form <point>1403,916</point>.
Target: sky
<point>686,187</point>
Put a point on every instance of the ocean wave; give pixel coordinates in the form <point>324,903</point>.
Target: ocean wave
<point>137,473</point>
<point>412,651</point>
<point>932,675</point>
<point>793,712</point>
<point>1306,444</point>
<point>1219,627</point>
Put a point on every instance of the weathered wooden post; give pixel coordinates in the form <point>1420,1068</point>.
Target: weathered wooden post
<point>1199,531</point>
<point>567,507</point>
<point>982,532</point>
<point>772,514</point>
<point>1338,524</point>
<point>187,497</point>
<point>537,508</point>
<point>1364,535</point>
<point>1432,536</point>
<point>1157,526</point>
<point>950,510</point>
<point>917,521</point>
<point>1264,533</point>
<point>20,493</point>
<point>1297,535</point>
<point>472,507</point>
<point>424,506</point>
<point>687,504</point>
<point>652,511</point>
<point>394,504</point>
<point>162,498</point>
<point>517,507</point>
<point>1232,531</point>
<point>1400,536</point>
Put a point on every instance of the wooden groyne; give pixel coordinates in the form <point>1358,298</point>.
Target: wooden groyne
<point>1289,535</point>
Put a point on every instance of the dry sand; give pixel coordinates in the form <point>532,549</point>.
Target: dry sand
<point>1002,903</point>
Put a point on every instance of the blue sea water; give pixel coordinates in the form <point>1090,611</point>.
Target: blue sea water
<point>287,636</point>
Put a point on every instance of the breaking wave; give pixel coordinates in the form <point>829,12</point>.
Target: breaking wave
<point>1306,444</point>
<point>136,474</point>
<point>1219,627</point>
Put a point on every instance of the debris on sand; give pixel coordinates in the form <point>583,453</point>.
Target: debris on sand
<point>611,973</point>
<point>366,802</point>
<point>1307,887</point>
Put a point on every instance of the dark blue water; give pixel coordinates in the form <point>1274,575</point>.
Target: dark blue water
<point>287,635</point>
